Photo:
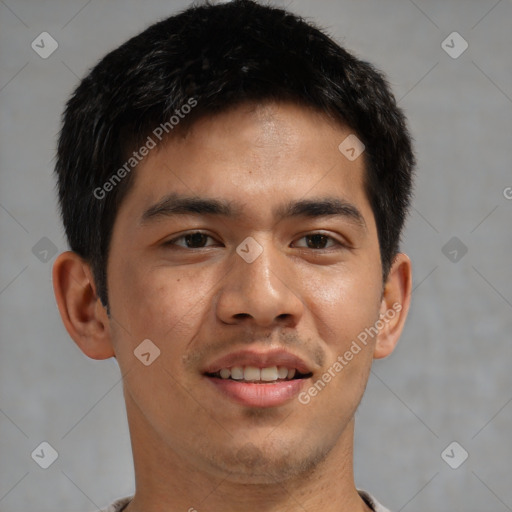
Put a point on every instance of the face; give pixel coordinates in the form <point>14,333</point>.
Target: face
<point>247,252</point>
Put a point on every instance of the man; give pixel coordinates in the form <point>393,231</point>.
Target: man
<point>233,186</point>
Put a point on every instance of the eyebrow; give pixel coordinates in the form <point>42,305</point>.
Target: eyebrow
<point>321,207</point>
<point>176,204</point>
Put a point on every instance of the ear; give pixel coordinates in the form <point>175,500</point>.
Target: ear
<point>82,313</point>
<point>396,298</point>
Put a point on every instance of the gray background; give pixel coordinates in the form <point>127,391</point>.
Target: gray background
<point>449,379</point>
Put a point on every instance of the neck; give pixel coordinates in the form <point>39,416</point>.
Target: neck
<point>166,481</point>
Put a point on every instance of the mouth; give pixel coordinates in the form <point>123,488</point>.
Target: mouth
<point>258,379</point>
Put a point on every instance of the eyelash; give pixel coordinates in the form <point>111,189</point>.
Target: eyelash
<point>330,238</point>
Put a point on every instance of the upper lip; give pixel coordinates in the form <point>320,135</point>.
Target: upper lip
<point>259,359</point>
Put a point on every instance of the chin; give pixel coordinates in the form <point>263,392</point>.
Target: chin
<point>251,464</point>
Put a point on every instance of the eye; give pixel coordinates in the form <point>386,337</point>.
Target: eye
<point>318,241</point>
<point>195,240</point>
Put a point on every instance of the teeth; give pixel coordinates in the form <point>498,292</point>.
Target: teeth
<point>252,373</point>
<point>225,373</point>
<point>237,372</point>
<point>269,374</point>
<point>282,372</point>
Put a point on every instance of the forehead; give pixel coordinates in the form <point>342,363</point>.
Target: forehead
<point>251,153</point>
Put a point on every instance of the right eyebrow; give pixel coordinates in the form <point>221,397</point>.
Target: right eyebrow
<point>175,204</point>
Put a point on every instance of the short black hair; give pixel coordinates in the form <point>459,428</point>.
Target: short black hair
<point>214,57</point>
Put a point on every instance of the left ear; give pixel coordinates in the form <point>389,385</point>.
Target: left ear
<point>396,299</point>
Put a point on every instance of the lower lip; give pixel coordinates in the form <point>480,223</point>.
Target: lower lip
<point>259,395</point>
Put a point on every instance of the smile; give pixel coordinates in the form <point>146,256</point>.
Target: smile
<point>258,379</point>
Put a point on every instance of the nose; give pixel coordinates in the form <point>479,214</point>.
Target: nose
<point>263,292</point>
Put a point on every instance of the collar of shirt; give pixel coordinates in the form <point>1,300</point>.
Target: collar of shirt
<point>120,504</point>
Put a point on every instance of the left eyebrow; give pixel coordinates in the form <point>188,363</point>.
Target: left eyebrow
<point>175,204</point>
<point>322,207</point>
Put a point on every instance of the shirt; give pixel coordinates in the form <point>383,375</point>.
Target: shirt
<point>120,504</point>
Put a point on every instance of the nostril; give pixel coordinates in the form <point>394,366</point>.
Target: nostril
<point>241,316</point>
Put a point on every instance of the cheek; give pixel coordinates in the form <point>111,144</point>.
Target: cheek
<point>342,306</point>
<point>164,304</point>
<point>343,303</point>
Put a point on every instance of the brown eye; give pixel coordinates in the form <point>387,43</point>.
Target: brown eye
<point>195,240</point>
<point>318,241</point>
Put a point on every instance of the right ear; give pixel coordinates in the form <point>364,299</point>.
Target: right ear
<point>84,316</point>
